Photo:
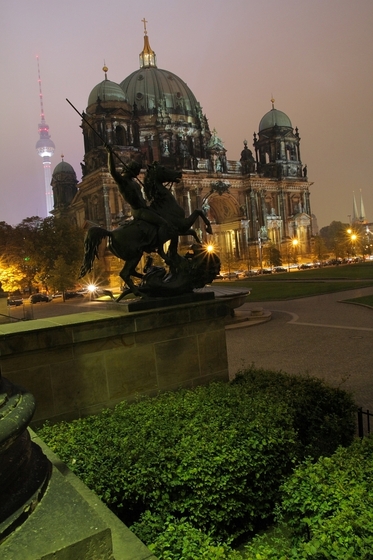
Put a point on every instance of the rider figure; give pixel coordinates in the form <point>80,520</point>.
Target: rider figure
<point>131,192</point>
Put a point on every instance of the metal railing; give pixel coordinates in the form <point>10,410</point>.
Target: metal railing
<point>363,427</point>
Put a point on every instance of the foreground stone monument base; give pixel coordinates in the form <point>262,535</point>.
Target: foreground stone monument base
<point>24,469</point>
<point>71,523</point>
<point>76,365</point>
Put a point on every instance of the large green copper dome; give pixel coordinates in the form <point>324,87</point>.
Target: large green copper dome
<point>152,89</point>
<point>158,91</point>
<point>274,117</point>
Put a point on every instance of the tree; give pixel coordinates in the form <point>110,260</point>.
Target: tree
<point>63,275</point>
<point>272,255</point>
<point>335,238</point>
<point>11,276</point>
<point>35,246</point>
<point>319,249</point>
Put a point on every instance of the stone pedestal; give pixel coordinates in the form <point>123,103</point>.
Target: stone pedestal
<point>76,365</point>
<point>24,469</point>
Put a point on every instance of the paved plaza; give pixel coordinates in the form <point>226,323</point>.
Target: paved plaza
<point>319,336</point>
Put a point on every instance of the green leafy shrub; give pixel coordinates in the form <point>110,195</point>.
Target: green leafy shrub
<point>328,507</point>
<point>215,455</point>
<point>174,539</point>
<point>324,417</point>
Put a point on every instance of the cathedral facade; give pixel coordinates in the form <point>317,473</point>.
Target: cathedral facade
<point>260,200</point>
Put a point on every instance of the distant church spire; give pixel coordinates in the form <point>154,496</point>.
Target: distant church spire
<point>362,209</point>
<point>147,56</point>
<point>358,216</point>
<point>354,210</point>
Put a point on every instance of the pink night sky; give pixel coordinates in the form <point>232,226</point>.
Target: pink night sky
<point>313,56</point>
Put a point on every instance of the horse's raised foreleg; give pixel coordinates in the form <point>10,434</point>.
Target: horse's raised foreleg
<point>193,234</point>
<point>199,214</point>
<point>206,220</point>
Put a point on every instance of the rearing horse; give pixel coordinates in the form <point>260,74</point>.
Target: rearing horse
<point>130,241</point>
<point>164,203</point>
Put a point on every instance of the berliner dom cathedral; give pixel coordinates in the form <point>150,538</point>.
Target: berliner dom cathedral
<point>259,200</point>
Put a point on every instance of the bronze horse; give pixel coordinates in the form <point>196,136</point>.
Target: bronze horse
<point>164,203</point>
<point>128,242</point>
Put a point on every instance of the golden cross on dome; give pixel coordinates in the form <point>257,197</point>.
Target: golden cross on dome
<point>273,102</point>
<point>144,22</point>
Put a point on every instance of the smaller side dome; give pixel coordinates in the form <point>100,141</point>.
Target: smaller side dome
<point>106,91</point>
<point>64,185</point>
<point>64,167</point>
<point>274,117</point>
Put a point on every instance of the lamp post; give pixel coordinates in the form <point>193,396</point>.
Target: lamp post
<point>294,243</point>
<point>260,252</point>
<point>353,238</point>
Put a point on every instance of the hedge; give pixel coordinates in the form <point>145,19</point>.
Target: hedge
<point>215,455</point>
<point>328,507</point>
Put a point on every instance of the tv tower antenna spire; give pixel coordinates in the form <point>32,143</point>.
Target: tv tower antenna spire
<point>45,148</point>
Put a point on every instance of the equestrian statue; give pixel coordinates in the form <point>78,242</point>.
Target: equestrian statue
<point>157,219</point>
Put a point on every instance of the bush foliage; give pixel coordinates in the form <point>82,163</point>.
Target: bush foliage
<point>173,539</point>
<point>214,456</point>
<point>324,417</point>
<point>328,507</point>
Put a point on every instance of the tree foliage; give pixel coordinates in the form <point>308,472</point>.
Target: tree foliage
<point>335,238</point>
<point>37,248</point>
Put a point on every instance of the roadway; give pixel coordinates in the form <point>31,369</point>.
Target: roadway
<point>319,336</point>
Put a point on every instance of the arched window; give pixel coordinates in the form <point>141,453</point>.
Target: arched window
<point>120,136</point>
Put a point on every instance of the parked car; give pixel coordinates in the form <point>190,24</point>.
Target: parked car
<point>280,269</point>
<point>250,273</point>
<point>71,295</point>
<point>14,300</point>
<point>38,298</point>
<point>229,275</point>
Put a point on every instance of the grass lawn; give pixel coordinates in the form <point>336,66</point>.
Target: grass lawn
<point>365,300</point>
<point>305,283</point>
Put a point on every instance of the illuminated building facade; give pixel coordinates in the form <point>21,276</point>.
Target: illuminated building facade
<point>260,199</point>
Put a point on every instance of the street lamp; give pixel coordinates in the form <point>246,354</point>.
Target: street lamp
<point>91,289</point>
<point>294,243</point>
<point>353,238</point>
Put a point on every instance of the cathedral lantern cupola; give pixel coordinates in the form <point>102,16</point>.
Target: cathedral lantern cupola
<point>147,55</point>
<point>172,127</point>
<point>277,146</point>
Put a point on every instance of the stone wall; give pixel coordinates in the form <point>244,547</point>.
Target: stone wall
<point>76,365</point>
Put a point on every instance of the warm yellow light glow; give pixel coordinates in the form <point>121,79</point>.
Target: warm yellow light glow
<point>91,288</point>
<point>210,248</point>
<point>353,237</point>
<point>295,242</point>
<point>349,231</point>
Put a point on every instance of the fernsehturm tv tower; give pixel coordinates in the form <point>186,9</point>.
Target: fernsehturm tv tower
<point>45,148</point>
